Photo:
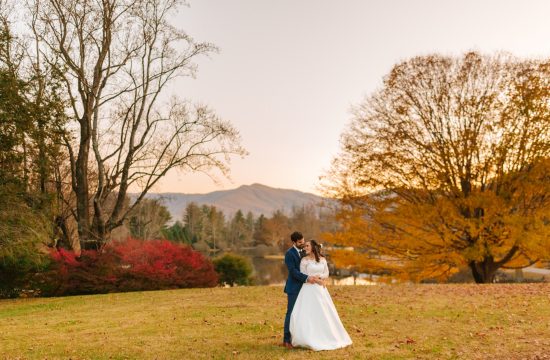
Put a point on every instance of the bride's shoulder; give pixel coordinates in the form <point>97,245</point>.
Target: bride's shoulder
<point>309,260</point>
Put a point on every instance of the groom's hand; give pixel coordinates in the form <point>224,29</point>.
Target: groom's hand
<point>314,280</point>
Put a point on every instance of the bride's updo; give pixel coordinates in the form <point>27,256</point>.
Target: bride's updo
<point>316,249</point>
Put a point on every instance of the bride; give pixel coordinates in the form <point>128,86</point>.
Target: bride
<point>314,322</point>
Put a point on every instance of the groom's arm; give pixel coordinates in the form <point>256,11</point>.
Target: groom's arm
<point>293,270</point>
<point>310,279</point>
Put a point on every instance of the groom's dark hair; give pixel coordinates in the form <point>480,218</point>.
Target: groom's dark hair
<point>295,236</point>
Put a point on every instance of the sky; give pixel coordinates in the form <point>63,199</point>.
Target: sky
<point>289,71</point>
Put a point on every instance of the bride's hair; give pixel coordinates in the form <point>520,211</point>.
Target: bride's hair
<point>316,248</point>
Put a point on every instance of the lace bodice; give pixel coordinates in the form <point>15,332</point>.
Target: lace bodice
<point>314,268</point>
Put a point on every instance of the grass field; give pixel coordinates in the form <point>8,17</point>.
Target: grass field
<point>385,322</point>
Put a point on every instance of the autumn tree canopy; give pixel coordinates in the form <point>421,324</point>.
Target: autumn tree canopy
<point>448,165</point>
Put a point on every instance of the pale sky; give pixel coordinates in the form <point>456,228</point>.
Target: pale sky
<point>289,71</point>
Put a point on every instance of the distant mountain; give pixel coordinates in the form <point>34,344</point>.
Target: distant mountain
<point>256,198</point>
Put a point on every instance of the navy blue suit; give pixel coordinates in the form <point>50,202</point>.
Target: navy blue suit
<point>293,286</point>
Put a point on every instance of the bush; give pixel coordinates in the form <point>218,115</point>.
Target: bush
<point>233,269</point>
<point>92,272</point>
<point>24,233</point>
<point>162,264</point>
<point>132,265</point>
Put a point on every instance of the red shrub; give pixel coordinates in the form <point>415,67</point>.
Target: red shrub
<point>92,273</point>
<point>161,264</point>
<point>131,265</point>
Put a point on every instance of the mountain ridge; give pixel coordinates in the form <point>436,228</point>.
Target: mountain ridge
<point>256,198</point>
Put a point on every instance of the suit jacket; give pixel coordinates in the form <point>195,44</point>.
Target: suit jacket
<point>295,278</point>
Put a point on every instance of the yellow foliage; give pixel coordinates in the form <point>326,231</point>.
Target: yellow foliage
<point>448,165</point>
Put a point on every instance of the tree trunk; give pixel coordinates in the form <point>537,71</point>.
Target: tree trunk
<point>92,51</point>
<point>98,226</point>
<point>87,241</point>
<point>519,275</point>
<point>484,271</point>
<point>42,159</point>
<point>64,240</point>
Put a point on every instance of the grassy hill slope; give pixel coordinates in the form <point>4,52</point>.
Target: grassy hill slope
<point>385,322</point>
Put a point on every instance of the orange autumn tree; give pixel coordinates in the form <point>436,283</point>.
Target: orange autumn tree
<point>448,165</point>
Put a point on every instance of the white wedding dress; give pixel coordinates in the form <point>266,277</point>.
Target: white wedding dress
<point>314,322</point>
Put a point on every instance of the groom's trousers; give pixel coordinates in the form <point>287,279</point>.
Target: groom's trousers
<point>291,301</point>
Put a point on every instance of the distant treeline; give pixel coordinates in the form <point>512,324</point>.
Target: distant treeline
<point>209,230</point>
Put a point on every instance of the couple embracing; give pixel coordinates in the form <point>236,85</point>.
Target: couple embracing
<point>311,319</point>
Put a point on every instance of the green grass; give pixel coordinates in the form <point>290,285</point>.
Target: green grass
<point>385,322</point>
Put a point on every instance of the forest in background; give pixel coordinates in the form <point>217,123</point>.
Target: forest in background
<point>446,167</point>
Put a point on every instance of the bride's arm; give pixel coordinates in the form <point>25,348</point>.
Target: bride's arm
<point>325,273</point>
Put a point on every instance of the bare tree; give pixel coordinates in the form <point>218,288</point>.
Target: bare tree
<point>148,220</point>
<point>115,59</point>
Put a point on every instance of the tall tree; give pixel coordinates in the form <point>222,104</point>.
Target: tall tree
<point>447,165</point>
<point>149,220</point>
<point>277,229</point>
<point>115,59</point>
<point>29,119</point>
<point>238,231</point>
<point>193,220</point>
<point>213,227</point>
<point>260,232</point>
<point>31,113</point>
<point>177,233</point>
<point>306,219</point>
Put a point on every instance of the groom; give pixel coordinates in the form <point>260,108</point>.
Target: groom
<point>294,281</point>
